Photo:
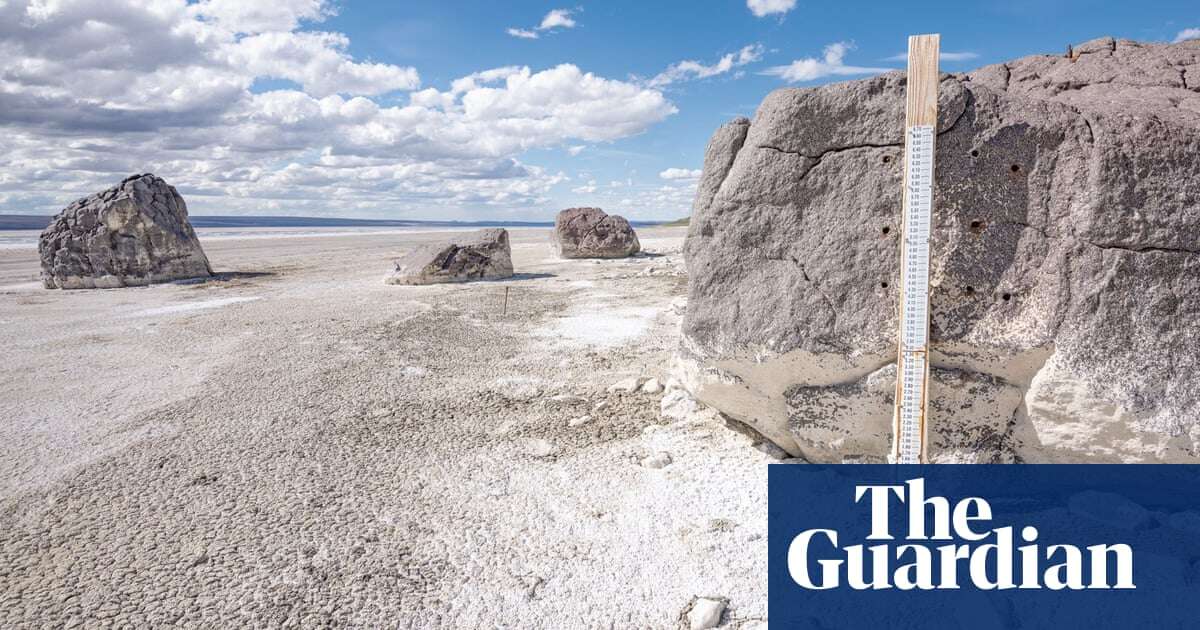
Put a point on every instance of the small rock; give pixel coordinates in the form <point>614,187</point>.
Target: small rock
<point>771,450</point>
<point>652,386</point>
<point>630,384</point>
<point>600,406</point>
<point>678,404</point>
<point>721,525</point>
<point>519,387</point>
<point>197,556</point>
<point>413,371</point>
<point>705,613</point>
<point>657,461</point>
<point>532,583</point>
<point>538,447</point>
<point>580,421</point>
<point>563,400</point>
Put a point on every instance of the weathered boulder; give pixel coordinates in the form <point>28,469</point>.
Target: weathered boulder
<point>1065,277</point>
<point>591,233</point>
<point>132,234</point>
<point>481,255</point>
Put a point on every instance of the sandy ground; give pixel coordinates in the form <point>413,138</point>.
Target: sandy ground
<point>297,443</point>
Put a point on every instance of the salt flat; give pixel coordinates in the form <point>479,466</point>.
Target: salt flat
<point>297,443</point>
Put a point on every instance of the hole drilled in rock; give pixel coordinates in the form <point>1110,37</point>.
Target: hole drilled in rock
<point>970,290</point>
<point>883,284</point>
<point>976,224</point>
<point>1006,297</point>
<point>887,158</point>
<point>1016,168</point>
<point>886,229</point>
<point>974,152</point>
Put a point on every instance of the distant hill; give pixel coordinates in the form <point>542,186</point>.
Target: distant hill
<point>38,222</point>
<point>23,221</point>
<point>684,222</point>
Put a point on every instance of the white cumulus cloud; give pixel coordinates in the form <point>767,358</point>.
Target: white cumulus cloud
<point>319,63</point>
<point>241,16</point>
<point>558,18</point>
<point>522,33</point>
<point>831,63</point>
<point>555,19</point>
<point>680,174</point>
<point>669,200</point>
<point>763,8</point>
<point>1186,34</point>
<point>586,189</point>
<point>93,90</point>
<point>690,69</point>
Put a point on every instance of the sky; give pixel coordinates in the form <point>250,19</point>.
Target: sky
<point>404,109</point>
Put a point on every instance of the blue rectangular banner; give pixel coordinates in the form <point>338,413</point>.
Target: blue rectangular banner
<point>984,546</point>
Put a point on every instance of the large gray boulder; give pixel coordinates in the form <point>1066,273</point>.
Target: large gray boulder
<point>592,233</point>
<point>480,255</point>
<point>1065,275</point>
<point>132,234</point>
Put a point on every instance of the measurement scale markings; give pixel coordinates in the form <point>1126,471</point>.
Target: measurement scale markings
<point>918,204</point>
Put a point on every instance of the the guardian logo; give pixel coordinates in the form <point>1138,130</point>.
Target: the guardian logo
<point>986,558</point>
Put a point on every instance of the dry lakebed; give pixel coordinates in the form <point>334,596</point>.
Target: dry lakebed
<point>296,443</point>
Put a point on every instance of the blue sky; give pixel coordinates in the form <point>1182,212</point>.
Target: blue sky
<point>304,107</point>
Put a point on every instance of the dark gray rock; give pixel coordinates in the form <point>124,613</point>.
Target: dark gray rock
<point>591,233</point>
<point>480,255</point>
<point>132,234</point>
<point>1065,275</point>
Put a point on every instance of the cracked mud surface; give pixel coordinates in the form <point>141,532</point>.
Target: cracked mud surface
<point>298,444</point>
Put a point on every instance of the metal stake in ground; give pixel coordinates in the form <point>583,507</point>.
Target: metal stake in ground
<point>911,424</point>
